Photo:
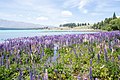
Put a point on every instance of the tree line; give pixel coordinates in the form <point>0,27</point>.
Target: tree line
<point>108,24</point>
<point>71,25</point>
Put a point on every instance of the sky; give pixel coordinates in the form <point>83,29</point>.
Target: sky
<point>56,12</point>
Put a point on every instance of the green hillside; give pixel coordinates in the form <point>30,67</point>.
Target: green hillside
<point>108,24</point>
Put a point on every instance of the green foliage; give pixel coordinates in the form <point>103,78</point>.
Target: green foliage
<point>68,66</point>
<point>49,52</point>
<point>71,25</point>
<point>114,16</point>
<point>108,24</point>
<point>116,24</point>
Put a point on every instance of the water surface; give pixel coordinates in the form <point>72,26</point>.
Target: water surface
<point>9,34</point>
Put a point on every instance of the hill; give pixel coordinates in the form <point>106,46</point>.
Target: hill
<point>6,24</point>
<point>109,24</point>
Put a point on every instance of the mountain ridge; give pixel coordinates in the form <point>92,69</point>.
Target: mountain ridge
<point>18,25</point>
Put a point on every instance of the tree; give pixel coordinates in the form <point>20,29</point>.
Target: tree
<point>94,26</point>
<point>108,24</point>
<point>115,24</point>
<point>60,25</point>
<point>82,24</point>
<point>114,16</point>
<point>78,24</point>
<point>88,23</point>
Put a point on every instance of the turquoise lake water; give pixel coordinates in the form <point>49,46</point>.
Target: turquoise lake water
<point>9,34</point>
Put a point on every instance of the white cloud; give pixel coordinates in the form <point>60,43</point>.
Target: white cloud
<point>83,3</point>
<point>24,2</point>
<point>42,18</point>
<point>80,4</point>
<point>38,11</point>
<point>70,3</point>
<point>77,3</point>
<point>66,13</point>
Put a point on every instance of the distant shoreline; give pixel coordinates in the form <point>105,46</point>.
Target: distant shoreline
<point>57,29</point>
<point>81,29</point>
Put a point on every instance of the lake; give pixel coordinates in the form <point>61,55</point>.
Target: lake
<point>9,34</point>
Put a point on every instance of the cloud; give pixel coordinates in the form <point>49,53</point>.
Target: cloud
<point>35,11</point>
<point>83,3</point>
<point>66,13</point>
<point>80,4</point>
<point>54,12</point>
<point>24,2</point>
<point>42,18</point>
<point>70,3</point>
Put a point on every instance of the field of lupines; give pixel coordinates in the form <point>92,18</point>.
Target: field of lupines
<point>62,57</point>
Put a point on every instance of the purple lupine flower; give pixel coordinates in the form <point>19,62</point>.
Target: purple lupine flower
<point>112,59</point>
<point>21,74</point>
<point>34,71</point>
<point>3,59</point>
<point>26,60</point>
<point>18,56</point>
<point>90,73</point>
<point>98,56</point>
<point>42,54</point>
<point>100,51</point>
<point>39,77</point>
<point>70,60</point>
<point>116,41</point>
<point>21,61</point>
<point>75,53</point>
<point>34,77</point>
<point>55,70</point>
<point>79,78</point>
<point>7,63</point>
<point>110,47</point>
<point>90,62</point>
<point>118,57</point>
<point>105,54</point>
<point>31,75</point>
<point>30,48</point>
<point>0,61</point>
